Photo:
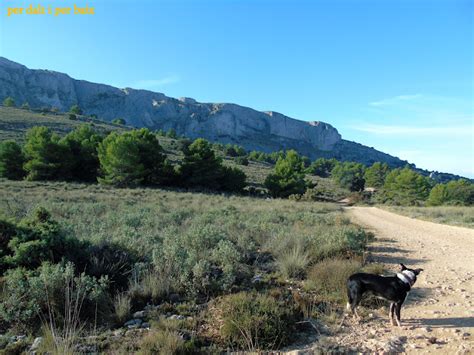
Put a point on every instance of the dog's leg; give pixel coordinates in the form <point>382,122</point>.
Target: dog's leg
<point>358,317</point>
<point>391,313</point>
<point>398,308</point>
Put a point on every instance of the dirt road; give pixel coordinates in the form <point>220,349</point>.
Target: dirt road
<point>438,316</point>
<point>439,313</point>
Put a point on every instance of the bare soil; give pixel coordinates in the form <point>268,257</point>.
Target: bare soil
<point>438,316</point>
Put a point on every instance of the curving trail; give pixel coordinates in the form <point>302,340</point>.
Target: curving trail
<point>439,313</point>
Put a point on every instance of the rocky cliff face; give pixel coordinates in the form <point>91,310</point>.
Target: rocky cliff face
<point>226,123</point>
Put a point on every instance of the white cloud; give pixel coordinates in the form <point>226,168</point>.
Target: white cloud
<point>395,100</point>
<point>449,131</point>
<point>153,83</point>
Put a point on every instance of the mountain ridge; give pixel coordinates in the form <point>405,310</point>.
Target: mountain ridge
<point>218,122</point>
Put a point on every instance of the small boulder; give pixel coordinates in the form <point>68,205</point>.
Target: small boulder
<point>177,317</point>
<point>36,343</point>
<point>133,323</point>
<point>139,314</point>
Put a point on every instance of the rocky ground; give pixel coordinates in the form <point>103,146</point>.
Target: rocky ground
<point>438,316</point>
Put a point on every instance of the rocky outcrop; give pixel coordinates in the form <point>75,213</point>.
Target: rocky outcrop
<point>226,123</point>
<point>218,122</point>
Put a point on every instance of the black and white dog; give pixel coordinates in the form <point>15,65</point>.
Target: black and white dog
<point>392,288</point>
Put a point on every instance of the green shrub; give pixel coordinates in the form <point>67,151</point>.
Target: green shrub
<point>458,192</point>
<point>202,259</point>
<point>9,102</point>
<point>288,176</point>
<point>119,121</point>
<point>37,239</point>
<point>30,295</point>
<point>241,160</point>
<point>253,321</point>
<point>172,133</point>
<point>349,175</point>
<point>234,150</point>
<point>76,110</point>
<point>11,161</point>
<point>111,260</point>
<point>233,179</point>
<point>17,348</point>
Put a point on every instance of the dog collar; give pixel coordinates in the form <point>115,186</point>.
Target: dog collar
<point>407,277</point>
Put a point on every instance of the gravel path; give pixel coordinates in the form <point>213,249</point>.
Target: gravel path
<point>438,316</point>
<point>441,305</point>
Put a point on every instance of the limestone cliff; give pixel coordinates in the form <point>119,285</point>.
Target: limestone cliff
<point>223,122</point>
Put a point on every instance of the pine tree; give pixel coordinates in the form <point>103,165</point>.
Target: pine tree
<point>11,160</point>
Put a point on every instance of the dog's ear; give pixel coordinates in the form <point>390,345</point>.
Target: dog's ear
<point>403,266</point>
<point>417,271</point>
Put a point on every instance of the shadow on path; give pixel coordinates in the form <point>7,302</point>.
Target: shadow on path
<point>443,322</point>
<point>387,252</point>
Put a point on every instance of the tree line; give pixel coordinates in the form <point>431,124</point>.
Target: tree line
<point>400,186</point>
<point>136,158</point>
<point>128,159</point>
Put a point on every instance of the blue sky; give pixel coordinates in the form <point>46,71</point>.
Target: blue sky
<point>393,74</point>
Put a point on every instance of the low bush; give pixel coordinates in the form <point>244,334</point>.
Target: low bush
<point>30,296</point>
<point>253,321</point>
<point>167,336</point>
<point>293,263</point>
<point>203,259</point>
<point>36,239</point>
<point>162,342</point>
<point>242,161</point>
<point>110,260</point>
<point>328,277</point>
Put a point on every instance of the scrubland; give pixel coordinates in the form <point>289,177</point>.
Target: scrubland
<point>204,271</point>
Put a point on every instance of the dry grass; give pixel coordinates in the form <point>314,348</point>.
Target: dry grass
<point>122,307</point>
<point>329,278</point>
<point>462,216</point>
<point>293,263</point>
